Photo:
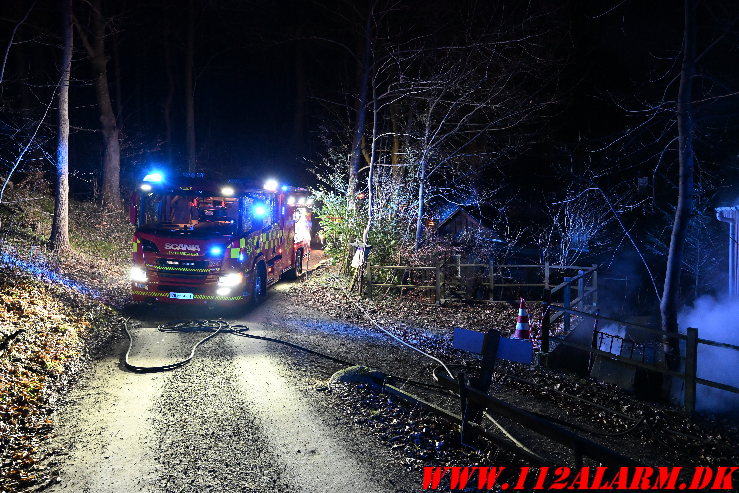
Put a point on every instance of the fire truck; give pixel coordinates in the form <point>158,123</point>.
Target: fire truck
<point>201,241</point>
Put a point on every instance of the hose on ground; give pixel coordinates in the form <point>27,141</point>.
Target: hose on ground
<point>214,329</point>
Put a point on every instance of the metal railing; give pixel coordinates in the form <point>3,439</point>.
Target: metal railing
<point>689,360</point>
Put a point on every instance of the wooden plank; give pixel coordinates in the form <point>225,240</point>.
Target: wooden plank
<point>558,287</point>
<point>567,304</point>
<point>491,280</point>
<point>515,285</point>
<point>594,285</point>
<point>438,283</point>
<point>453,418</point>
<point>386,285</point>
<point>691,369</point>
<point>403,267</point>
<point>521,266</point>
<point>718,344</point>
<point>541,425</point>
<point>571,267</point>
<point>617,357</point>
<point>717,385</point>
<point>621,322</point>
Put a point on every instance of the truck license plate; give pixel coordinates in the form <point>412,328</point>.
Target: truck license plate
<point>181,296</point>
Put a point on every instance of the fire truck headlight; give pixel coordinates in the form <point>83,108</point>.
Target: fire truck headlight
<point>227,191</point>
<point>223,291</point>
<point>271,185</point>
<point>230,280</point>
<point>138,274</point>
<point>291,200</point>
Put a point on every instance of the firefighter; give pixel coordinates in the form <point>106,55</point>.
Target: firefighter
<point>183,210</point>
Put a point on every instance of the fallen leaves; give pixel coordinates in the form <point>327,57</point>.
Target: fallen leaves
<point>57,327</point>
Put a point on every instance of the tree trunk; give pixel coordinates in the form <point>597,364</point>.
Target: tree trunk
<point>669,304</point>
<point>189,88</point>
<point>59,240</point>
<point>118,84</point>
<point>371,174</point>
<point>169,98</point>
<point>363,73</point>
<point>111,190</point>
<point>421,202</point>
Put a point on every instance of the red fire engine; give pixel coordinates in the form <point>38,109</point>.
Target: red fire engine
<point>199,241</point>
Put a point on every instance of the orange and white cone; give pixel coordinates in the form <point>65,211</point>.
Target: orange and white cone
<point>522,324</point>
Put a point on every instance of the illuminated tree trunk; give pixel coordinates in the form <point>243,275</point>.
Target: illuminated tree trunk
<point>59,240</point>
<point>669,304</point>
<point>423,167</point>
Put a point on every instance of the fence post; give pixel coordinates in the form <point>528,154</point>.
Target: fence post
<point>567,304</point>
<point>491,277</point>
<point>369,280</point>
<point>581,289</point>
<point>594,283</point>
<point>546,323</point>
<point>691,368</point>
<point>438,284</point>
<point>546,275</point>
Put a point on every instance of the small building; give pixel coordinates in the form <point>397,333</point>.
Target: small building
<point>468,223</point>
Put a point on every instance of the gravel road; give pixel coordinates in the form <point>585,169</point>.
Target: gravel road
<point>245,415</point>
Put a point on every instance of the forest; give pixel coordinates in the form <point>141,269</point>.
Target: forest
<point>576,133</point>
<point>573,130</point>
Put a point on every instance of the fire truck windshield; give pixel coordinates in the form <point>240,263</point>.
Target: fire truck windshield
<point>192,215</point>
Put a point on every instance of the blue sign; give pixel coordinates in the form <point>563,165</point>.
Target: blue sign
<point>518,350</point>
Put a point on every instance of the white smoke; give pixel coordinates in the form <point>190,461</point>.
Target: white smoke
<point>716,320</point>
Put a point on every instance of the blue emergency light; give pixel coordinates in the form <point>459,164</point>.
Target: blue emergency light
<point>154,177</point>
<point>216,250</point>
<point>259,210</point>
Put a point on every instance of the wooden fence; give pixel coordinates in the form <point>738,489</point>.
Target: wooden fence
<point>689,360</point>
<point>577,286</point>
<point>570,293</point>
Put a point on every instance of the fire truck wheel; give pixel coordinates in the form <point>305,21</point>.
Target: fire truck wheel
<point>295,272</point>
<point>259,289</point>
<point>299,263</point>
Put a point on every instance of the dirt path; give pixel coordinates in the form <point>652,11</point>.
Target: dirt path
<point>244,415</point>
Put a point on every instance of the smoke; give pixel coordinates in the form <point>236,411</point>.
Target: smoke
<point>715,320</point>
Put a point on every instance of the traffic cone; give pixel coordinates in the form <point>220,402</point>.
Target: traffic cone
<point>522,325</point>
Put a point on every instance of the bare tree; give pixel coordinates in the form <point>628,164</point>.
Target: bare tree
<point>59,240</point>
<point>469,96</point>
<point>95,46</point>
<point>441,106</point>
<point>12,37</point>
<point>364,72</point>
<point>576,225</point>
<point>670,302</point>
